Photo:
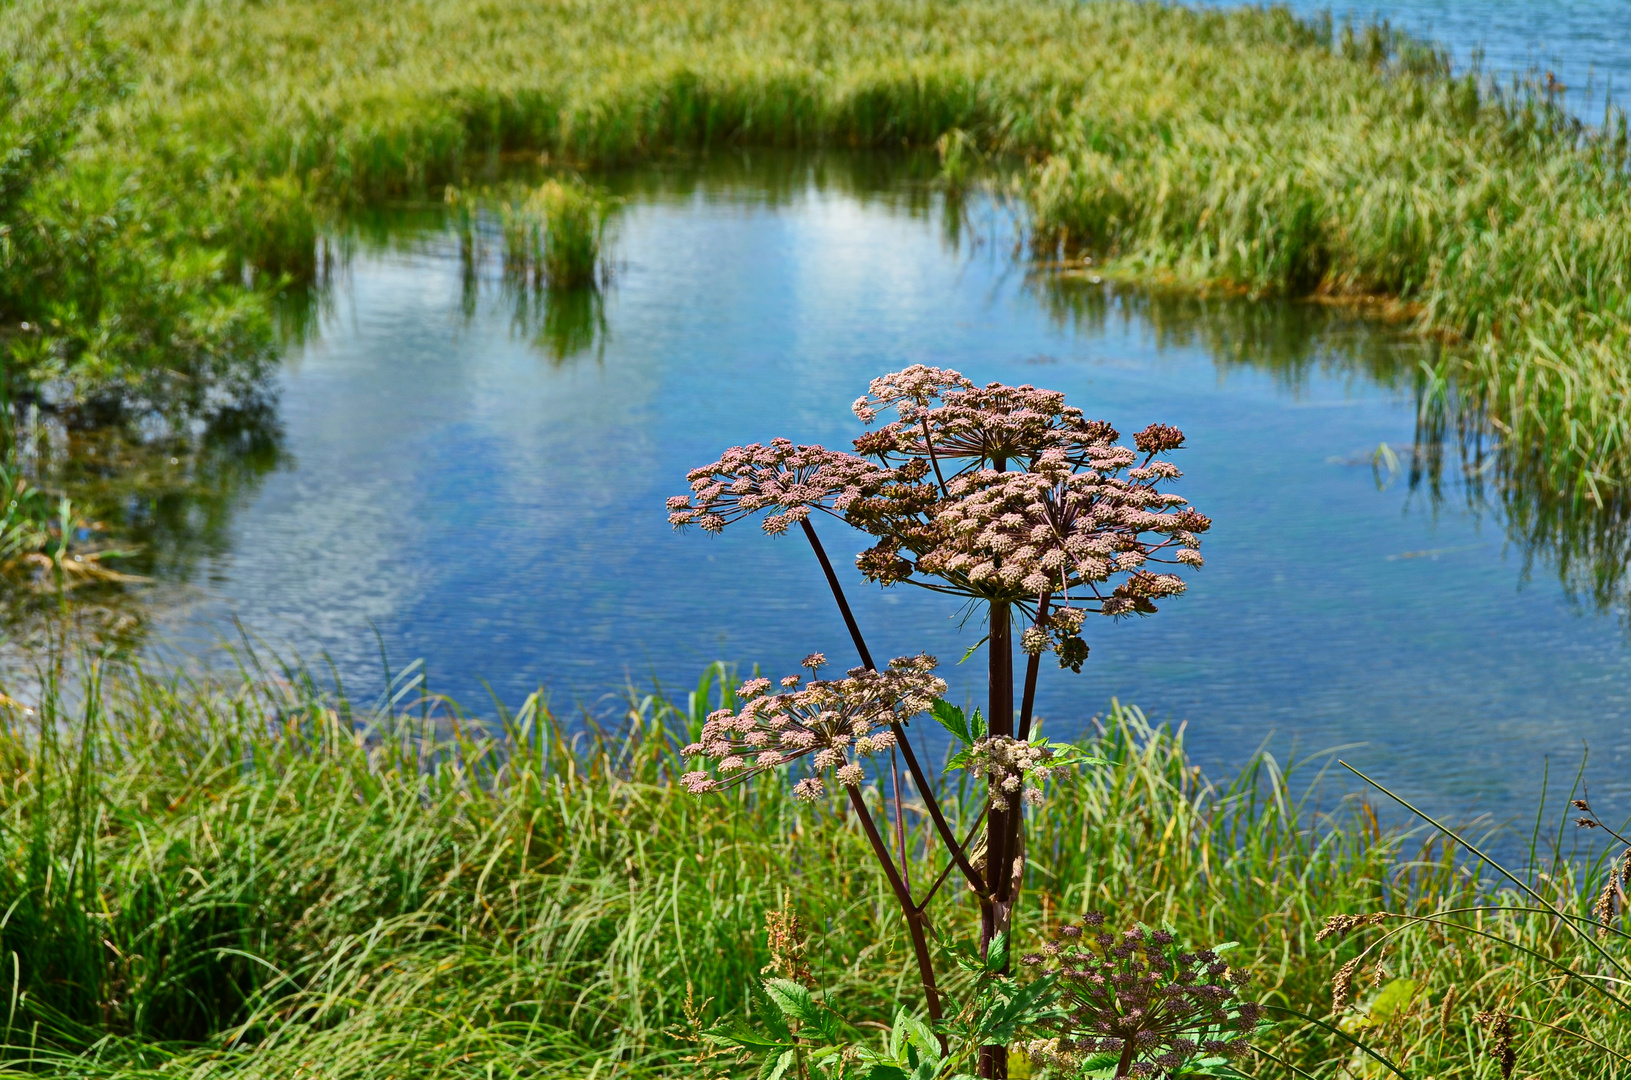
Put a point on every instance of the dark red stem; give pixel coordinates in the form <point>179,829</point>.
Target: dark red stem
<point>919,779</point>
<point>914,917</point>
<point>838,594</point>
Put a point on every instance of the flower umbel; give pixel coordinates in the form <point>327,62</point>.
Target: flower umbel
<point>1012,768</point>
<point>834,722</point>
<point>1133,994</point>
<point>788,479</point>
<point>1042,501</point>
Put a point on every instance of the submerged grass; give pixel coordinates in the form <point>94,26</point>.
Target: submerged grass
<point>1244,149</point>
<point>257,878</point>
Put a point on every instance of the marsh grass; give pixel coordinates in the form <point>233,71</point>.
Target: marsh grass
<point>552,235</point>
<point>1242,150</point>
<point>259,878</point>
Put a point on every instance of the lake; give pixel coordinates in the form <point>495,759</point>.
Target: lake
<point>1584,43</point>
<point>476,475</point>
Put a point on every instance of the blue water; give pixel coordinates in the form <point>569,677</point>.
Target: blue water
<point>1586,44</point>
<point>497,510</point>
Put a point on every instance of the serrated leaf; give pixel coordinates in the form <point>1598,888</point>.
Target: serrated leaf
<point>966,958</point>
<point>996,953</point>
<point>1026,1005</point>
<point>953,720</point>
<point>773,1018</point>
<point>793,999</point>
<point>735,1032</point>
<point>776,1068</point>
<point>795,1002</point>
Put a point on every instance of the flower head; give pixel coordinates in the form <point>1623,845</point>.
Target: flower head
<point>1137,989</point>
<point>1010,767</point>
<point>833,722</point>
<point>787,479</point>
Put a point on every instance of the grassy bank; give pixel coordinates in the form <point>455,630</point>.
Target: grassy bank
<point>259,879</point>
<point>1244,150</point>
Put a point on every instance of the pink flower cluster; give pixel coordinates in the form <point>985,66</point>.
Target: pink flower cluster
<point>834,722</point>
<point>996,493</point>
<point>943,412</point>
<point>788,479</point>
<point>1011,768</point>
<point>1055,529</point>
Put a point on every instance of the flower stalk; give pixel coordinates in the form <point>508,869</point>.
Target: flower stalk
<point>1004,497</point>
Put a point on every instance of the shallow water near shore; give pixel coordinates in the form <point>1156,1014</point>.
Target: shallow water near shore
<point>478,475</point>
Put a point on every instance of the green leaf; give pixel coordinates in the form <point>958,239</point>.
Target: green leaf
<point>952,719</point>
<point>774,1019</point>
<point>796,1003</point>
<point>996,954</point>
<point>734,1032</point>
<point>776,1068</point>
<point>793,999</point>
<point>1025,1005</point>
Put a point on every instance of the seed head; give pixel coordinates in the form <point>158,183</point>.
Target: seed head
<point>1498,1023</point>
<point>1342,985</point>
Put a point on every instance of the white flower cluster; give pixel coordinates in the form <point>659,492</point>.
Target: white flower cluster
<point>1012,768</point>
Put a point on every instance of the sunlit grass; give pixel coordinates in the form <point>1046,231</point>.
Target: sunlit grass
<point>257,879</point>
<point>1243,150</point>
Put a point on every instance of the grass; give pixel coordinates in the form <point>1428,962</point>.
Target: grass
<point>258,878</point>
<point>1242,150</point>
<point>552,236</point>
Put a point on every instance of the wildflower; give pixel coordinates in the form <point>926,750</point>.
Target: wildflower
<point>909,391</point>
<point>833,722</point>
<point>1136,996</point>
<point>788,942</point>
<point>788,479</point>
<point>1010,766</point>
<point>944,416</point>
<point>1076,512</point>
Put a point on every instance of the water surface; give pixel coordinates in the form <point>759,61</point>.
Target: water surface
<point>1585,44</point>
<point>479,476</point>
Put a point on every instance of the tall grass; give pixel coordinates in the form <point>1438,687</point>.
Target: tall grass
<point>552,236</point>
<point>258,878</point>
<point>1243,149</point>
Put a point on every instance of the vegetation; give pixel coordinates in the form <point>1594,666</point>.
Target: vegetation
<point>255,878</point>
<point>553,235</point>
<point>1243,149</point>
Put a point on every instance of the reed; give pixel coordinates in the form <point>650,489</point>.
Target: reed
<point>552,235</point>
<point>1243,150</point>
<point>257,877</point>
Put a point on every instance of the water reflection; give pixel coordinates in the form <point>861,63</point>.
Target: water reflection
<point>481,475</point>
<point>1452,457</point>
<point>163,494</point>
